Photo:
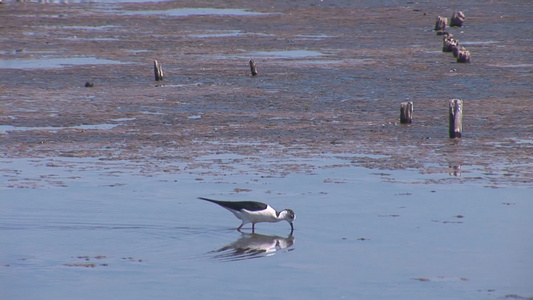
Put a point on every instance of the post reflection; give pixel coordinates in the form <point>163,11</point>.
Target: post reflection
<point>253,245</point>
<point>455,170</point>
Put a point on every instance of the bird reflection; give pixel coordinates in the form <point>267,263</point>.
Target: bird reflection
<point>253,245</point>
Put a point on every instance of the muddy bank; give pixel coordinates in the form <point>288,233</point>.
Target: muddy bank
<point>331,80</point>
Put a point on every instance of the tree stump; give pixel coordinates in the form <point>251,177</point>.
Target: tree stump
<point>440,24</point>
<point>463,56</point>
<point>406,112</point>
<point>458,18</point>
<point>253,68</point>
<point>456,118</point>
<point>158,71</point>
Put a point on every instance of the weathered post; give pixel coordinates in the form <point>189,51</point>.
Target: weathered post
<point>440,24</point>
<point>463,56</point>
<point>253,68</point>
<point>406,112</point>
<point>458,18</point>
<point>158,71</point>
<point>449,43</point>
<point>447,35</point>
<point>456,118</point>
<point>457,49</point>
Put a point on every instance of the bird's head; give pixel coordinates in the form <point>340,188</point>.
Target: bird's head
<point>288,215</point>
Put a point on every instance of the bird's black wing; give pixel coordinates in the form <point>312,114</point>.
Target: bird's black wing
<point>238,205</point>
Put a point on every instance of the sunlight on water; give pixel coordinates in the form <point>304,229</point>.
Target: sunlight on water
<point>53,63</point>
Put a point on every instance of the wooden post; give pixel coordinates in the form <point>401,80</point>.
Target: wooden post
<point>463,56</point>
<point>456,118</point>
<point>406,112</point>
<point>440,24</point>
<point>457,19</point>
<point>448,44</point>
<point>457,49</point>
<point>158,71</point>
<point>253,68</point>
<point>447,36</point>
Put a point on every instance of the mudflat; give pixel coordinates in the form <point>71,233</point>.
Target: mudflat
<point>331,80</point>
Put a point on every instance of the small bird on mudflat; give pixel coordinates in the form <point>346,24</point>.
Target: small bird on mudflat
<point>255,212</point>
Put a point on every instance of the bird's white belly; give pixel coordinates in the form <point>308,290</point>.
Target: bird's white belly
<point>267,215</point>
<point>262,216</point>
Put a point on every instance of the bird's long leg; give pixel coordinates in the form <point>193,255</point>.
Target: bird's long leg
<point>239,228</point>
<point>253,227</point>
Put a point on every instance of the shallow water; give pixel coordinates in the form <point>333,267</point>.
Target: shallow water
<point>51,63</point>
<point>4,129</point>
<point>286,54</point>
<point>197,11</point>
<point>108,229</point>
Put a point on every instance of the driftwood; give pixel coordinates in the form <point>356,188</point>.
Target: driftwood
<point>457,19</point>
<point>456,118</point>
<point>158,71</point>
<point>440,24</point>
<point>253,68</point>
<point>406,112</point>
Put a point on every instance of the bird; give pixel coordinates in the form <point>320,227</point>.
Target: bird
<point>255,212</point>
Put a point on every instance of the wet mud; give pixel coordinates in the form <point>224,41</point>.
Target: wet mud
<point>330,83</point>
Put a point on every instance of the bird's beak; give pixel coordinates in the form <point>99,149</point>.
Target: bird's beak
<point>292,227</point>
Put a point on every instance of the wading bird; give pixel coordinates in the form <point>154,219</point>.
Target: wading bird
<point>255,212</point>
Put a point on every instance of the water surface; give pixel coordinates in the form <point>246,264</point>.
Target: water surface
<point>111,229</point>
<point>53,62</point>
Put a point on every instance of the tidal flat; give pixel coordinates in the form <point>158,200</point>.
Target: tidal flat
<point>99,185</point>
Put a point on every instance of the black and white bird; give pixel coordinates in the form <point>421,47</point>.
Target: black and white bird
<point>255,212</point>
